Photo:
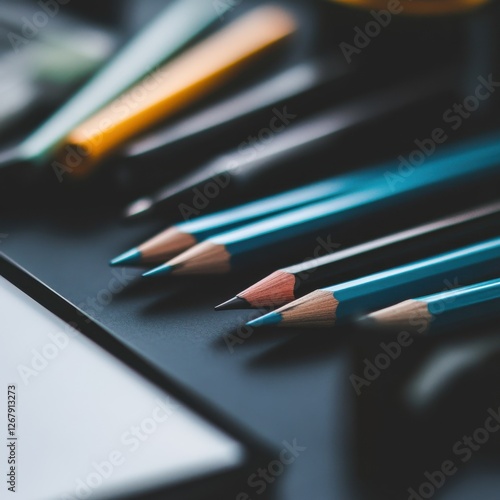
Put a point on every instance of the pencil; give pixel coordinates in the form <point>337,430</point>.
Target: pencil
<point>188,77</point>
<point>304,87</point>
<point>310,141</point>
<point>448,172</point>
<point>172,29</point>
<point>289,283</point>
<point>184,235</point>
<point>440,311</point>
<point>340,304</point>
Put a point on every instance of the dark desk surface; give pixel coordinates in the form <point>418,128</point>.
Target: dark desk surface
<point>280,386</point>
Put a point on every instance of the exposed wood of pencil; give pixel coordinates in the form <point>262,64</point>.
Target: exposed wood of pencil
<point>188,77</point>
<point>316,309</point>
<point>410,315</point>
<point>166,245</point>
<point>274,290</point>
<point>205,258</point>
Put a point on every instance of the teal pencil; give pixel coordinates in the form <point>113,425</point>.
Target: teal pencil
<point>184,235</point>
<point>441,311</point>
<point>342,303</point>
<point>455,168</point>
<point>171,30</point>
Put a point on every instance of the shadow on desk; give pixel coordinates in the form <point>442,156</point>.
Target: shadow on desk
<point>427,413</point>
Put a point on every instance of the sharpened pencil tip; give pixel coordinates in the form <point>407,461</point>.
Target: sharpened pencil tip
<point>159,271</point>
<point>130,257</point>
<point>272,318</point>
<point>234,303</point>
<point>139,207</point>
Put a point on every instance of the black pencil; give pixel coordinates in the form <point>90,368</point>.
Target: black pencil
<point>311,141</point>
<point>287,284</point>
<point>345,302</point>
<point>303,88</point>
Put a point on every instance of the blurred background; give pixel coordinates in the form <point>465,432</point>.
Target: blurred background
<point>362,82</point>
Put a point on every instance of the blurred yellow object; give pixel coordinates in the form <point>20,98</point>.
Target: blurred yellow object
<point>417,7</point>
<point>190,76</point>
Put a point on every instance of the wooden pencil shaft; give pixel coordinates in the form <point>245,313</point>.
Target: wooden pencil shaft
<point>314,310</point>
<point>196,259</point>
<point>409,316</point>
<point>275,290</point>
<point>165,245</point>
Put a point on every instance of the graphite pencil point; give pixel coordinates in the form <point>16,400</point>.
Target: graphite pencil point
<point>234,303</point>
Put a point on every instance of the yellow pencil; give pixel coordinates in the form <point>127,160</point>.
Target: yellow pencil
<point>190,76</point>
